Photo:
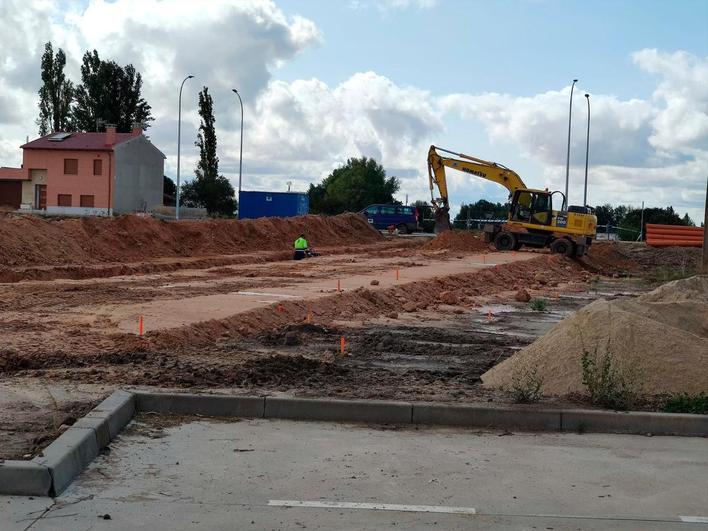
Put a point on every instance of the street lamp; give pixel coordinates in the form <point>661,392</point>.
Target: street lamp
<point>587,153</point>
<point>567,160</point>
<point>240,155</point>
<point>179,138</point>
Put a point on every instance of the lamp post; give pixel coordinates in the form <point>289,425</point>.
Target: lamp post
<point>240,154</point>
<point>587,154</point>
<point>567,159</point>
<point>179,138</point>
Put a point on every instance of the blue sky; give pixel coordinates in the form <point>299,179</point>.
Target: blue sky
<point>518,47</point>
<point>323,81</point>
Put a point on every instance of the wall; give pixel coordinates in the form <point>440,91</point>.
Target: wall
<point>138,182</point>
<point>85,183</point>
<point>28,190</point>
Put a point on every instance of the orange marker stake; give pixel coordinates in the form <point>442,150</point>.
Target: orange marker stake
<point>398,274</point>
<point>339,285</point>
<point>489,315</point>
<point>309,317</point>
<point>140,325</point>
<point>484,258</point>
<point>342,345</point>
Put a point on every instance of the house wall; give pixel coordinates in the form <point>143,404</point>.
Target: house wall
<point>139,175</point>
<point>84,183</point>
<point>28,187</point>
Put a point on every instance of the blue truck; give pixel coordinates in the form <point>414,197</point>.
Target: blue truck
<point>252,205</point>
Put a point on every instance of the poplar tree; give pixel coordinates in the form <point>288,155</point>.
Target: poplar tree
<point>56,93</point>
<point>208,189</point>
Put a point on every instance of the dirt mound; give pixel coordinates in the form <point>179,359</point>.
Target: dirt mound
<point>637,257</point>
<point>456,241</point>
<point>30,240</point>
<point>661,338</point>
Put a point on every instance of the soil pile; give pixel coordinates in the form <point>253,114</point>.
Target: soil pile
<point>637,257</point>
<point>661,339</point>
<point>456,241</point>
<point>29,240</point>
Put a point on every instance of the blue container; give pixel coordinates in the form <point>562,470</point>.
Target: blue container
<point>252,205</point>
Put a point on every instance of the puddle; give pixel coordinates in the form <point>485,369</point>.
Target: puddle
<point>496,308</point>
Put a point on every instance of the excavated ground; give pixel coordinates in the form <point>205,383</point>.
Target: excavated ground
<point>419,323</point>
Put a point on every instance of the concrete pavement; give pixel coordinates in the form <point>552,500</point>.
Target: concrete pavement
<point>205,474</point>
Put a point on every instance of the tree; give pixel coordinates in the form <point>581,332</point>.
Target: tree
<point>482,209</point>
<point>353,186</point>
<point>56,93</point>
<point>169,191</point>
<point>631,221</point>
<point>209,189</point>
<point>110,94</point>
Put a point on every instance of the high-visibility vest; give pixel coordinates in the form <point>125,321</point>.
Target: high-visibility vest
<point>300,244</point>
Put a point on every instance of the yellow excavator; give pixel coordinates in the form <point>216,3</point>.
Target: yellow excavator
<point>531,220</point>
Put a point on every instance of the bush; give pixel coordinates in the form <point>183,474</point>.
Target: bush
<point>539,304</point>
<point>610,385</point>
<point>685,403</point>
<point>526,385</point>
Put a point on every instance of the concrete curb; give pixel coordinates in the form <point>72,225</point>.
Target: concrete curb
<point>51,472</point>
<point>484,416</point>
<point>339,410</point>
<point>205,405</point>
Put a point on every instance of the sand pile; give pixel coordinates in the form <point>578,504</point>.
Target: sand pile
<point>452,240</point>
<point>30,240</point>
<point>662,337</point>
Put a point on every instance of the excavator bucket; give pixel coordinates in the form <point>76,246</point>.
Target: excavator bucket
<point>442,220</point>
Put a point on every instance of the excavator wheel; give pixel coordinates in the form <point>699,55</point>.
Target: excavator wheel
<point>505,241</point>
<point>562,246</point>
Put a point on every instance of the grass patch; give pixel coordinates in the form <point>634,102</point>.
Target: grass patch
<point>685,403</point>
<point>610,384</point>
<point>526,385</point>
<point>539,304</point>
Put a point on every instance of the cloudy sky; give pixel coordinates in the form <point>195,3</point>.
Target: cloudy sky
<point>324,80</point>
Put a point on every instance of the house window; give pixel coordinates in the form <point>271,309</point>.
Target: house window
<point>71,166</point>
<point>64,200</point>
<point>86,201</point>
<point>97,167</point>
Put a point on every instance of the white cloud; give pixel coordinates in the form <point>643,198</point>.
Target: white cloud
<point>653,149</point>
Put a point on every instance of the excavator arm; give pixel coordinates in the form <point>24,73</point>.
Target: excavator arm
<point>491,171</point>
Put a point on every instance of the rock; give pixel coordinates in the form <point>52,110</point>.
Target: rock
<point>540,278</point>
<point>291,339</point>
<point>374,282</point>
<point>522,296</point>
<point>458,311</point>
<point>410,307</point>
<point>392,315</point>
<point>448,297</point>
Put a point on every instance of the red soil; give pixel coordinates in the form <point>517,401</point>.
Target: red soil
<point>30,240</point>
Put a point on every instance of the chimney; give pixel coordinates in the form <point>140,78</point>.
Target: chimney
<point>137,129</point>
<point>110,134</point>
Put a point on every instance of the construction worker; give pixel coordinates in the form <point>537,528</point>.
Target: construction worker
<point>301,248</point>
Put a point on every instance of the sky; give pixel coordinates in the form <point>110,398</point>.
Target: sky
<point>326,80</point>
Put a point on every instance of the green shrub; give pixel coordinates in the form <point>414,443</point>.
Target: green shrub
<point>685,403</point>
<point>526,385</point>
<point>539,304</point>
<point>610,384</point>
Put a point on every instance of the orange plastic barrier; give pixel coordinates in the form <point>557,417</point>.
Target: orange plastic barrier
<point>674,235</point>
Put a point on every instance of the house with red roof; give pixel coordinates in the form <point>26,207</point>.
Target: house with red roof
<point>86,174</point>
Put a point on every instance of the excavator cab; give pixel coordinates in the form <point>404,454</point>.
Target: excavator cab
<point>531,206</point>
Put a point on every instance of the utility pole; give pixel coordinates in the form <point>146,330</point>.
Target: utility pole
<point>705,235</point>
<point>587,155</point>
<point>179,142</point>
<point>567,157</point>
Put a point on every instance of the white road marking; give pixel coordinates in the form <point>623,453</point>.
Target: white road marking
<point>694,519</point>
<point>374,506</point>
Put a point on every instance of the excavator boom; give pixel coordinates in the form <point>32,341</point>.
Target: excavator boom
<point>491,171</point>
